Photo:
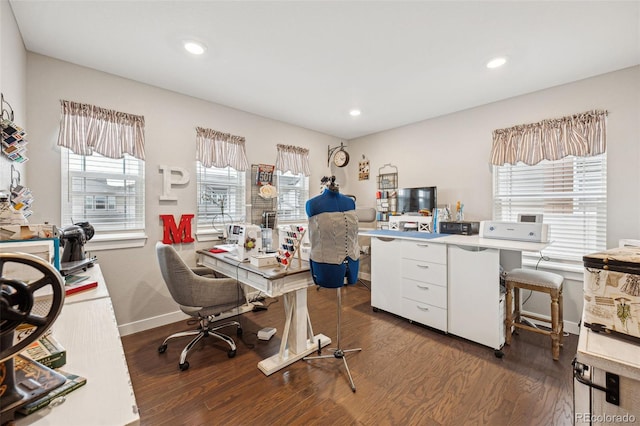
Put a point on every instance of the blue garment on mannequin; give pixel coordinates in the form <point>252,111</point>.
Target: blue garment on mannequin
<point>328,274</point>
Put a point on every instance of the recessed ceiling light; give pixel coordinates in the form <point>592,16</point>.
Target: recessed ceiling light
<point>496,62</point>
<point>354,112</point>
<point>194,47</point>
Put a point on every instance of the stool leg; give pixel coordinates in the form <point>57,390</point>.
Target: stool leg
<point>508,309</point>
<point>560,316</point>
<point>555,326</point>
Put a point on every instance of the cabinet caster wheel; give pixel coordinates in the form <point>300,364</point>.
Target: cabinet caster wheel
<point>184,366</point>
<point>239,332</point>
<point>162,349</point>
<point>231,353</point>
<point>498,353</point>
<point>375,309</point>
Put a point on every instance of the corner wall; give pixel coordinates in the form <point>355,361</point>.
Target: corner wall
<point>452,152</point>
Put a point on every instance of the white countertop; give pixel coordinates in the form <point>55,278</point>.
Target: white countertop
<point>462,240</point>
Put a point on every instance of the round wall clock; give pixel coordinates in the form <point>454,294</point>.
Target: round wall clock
<point>341,158</point>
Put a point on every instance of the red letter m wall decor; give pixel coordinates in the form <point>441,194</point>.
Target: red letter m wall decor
<point>177,234</point>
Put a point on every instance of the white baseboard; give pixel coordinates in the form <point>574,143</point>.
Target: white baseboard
<point>569,327</point>
<point>170,318</point>
<point>153,322</point>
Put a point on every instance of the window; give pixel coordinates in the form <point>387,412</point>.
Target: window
<point>221,197</point>
<point>571,193</point>
<point>106,192</point>
<point>293,193</point>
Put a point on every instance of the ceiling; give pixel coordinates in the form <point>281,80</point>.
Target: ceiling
<point>309,63</point>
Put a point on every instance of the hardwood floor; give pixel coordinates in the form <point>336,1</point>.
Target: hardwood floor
<point>406,374</point>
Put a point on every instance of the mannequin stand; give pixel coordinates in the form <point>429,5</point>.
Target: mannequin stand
<point>338,352</point>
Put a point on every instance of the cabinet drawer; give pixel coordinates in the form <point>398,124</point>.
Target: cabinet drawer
<point>434,273</point>
<point>425,314</point>
<point>424,250</point>
<point>424,292</point>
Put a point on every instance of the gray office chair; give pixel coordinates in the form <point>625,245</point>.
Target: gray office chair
<point>199,294</point>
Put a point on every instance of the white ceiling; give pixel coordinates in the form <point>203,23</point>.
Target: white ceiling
<point>309,62</point>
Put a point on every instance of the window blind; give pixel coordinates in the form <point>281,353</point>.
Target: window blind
<point>221,197</point>
<point>106,192</point>
<point>571,193</point>
<point>293,193</point>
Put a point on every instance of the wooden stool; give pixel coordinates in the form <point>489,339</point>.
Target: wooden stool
<point>546,282</point>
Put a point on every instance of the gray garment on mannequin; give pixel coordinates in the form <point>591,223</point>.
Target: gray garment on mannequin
<point>334,237</point>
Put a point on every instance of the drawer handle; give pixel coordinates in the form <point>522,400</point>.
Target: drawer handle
<point>423,287</point>
<point>422,245</point>
<point>423,266</point>
<point>422,308</point>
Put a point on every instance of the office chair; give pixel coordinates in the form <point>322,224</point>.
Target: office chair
<point>201,295</point>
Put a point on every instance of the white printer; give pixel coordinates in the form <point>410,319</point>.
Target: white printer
<point>519,231</point>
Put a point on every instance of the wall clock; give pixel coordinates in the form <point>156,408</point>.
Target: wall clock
<point>341,158</point>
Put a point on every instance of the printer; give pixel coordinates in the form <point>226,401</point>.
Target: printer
<point>534,232</point>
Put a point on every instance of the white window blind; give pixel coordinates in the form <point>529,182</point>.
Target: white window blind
<point>221,197</point>
<point>571,193</point>
<point>106,192</point>
<point>293,193</point>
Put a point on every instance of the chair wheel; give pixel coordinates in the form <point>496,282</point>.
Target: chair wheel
<point>231,353</point>
<point>162,349</point>
<point>184,366</point>
<point>239,331</point>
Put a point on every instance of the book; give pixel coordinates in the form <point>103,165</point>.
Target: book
<point>72,382</point>
<point>47,351</point>
<point>30,381</point>
<point>76,288</point>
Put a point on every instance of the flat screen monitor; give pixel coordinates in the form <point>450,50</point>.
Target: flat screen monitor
<point>412,200</point>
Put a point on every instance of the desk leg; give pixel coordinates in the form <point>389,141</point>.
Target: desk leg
<point>298,340</point>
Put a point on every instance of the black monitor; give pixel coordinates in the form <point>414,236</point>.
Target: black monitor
<point>413,200</point>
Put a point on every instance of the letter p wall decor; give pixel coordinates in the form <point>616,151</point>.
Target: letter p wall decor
<point>176,234</point>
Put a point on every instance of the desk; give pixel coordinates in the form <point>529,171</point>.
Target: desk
<point>604,354</point>
<point>87,329</point>
<point>448,282</point>
<point>298,339</point>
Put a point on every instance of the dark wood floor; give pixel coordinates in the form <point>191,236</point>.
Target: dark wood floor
<point>406,375</point>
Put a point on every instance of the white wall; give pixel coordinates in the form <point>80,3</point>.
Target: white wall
<point>132,275</point>
<point>452,152</point>
<point>13,65</point>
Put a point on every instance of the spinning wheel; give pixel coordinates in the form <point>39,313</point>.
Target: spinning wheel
<point>18,310</point>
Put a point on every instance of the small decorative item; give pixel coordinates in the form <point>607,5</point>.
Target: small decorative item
<point>363,169</point>
<point>249,243</point>
<point>264,176</point>
<point>268,191</point>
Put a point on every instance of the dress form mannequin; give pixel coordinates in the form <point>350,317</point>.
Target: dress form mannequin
<point>333,232</point>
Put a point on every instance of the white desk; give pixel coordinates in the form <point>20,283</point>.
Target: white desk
<point>87,329</point>
<point>448,282</point>
<point>604,354</point>
<point>298,339</point>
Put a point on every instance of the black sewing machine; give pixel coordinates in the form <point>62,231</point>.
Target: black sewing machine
<point>72,239</point>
